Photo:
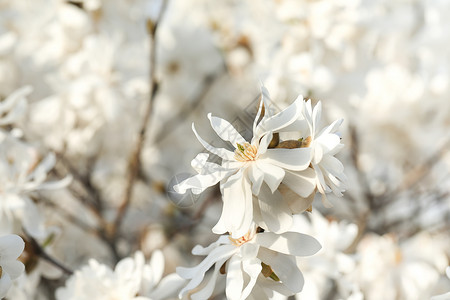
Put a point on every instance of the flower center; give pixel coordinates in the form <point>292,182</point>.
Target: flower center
<point>243,239</point>
<point>246,152</point>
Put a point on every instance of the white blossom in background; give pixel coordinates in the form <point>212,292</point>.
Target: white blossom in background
<point>407,270</point>
<point>23,171</point>
<point>11,246</point>
<point>132,278</point>
<point>245,259</point>
<point>14,106</point>
<point>331,263</point>
<point>252,169</point>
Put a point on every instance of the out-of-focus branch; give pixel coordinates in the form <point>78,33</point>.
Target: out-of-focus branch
<point>39,251</point>
<point>134,160</point>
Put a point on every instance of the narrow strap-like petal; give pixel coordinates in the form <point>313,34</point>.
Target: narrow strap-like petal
<point>221,152</point>
<point>226,131</point>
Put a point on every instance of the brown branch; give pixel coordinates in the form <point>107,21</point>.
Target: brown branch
<point>134,161</point>
<point>39,251</point>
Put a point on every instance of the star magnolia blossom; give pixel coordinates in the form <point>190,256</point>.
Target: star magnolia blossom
<point>327,171</point>
<point>132,279</point>
<point>245,259</point>
<point>325,144</point>
<point>11,246</point>
<point>253,169</point>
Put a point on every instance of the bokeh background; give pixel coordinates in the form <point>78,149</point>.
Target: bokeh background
<point>383,66</point>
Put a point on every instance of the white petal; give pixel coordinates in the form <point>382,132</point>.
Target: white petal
<point>199,250</point>
<point>196,274</point>
<point>198,183</point>
<point>317,114</point>
<point>328,142</point>
<point>208,289</point>
<point>286,269</point>
<point>249,250</point>
<point>14,268</point>
<point>274,211</point>
<point>252,267</point>
<point>273,175</point>
<point>199,162</point>
<point>296,203</point>
<point>221,152</point>
<point>292,243</point>
<point>237,205</point>
<point>296,159</point>
<point>235,279</point>
<point>11,246</point>
<point>5,284</point>
<point>226,131</point>
<point>280,120</point>
<point>156,266</point>
<point>301,182</point>
<point>264,143</point>
<point>256,177</point>
<point>261,104</point>
<point>332,128</point>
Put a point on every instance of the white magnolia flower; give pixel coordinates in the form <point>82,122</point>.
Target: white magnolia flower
<point>22,171</point>
<point>11,246</point>
<point>324,144</point>
<point>245,259</point>
<point>132,278</point>
<point>252,169</point>
<point>409,270</point>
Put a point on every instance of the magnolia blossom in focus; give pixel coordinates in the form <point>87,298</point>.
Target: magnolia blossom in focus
<point>11,246</point>
<point>252,169</point>
<point>245,259</point>
<point>131,279</point>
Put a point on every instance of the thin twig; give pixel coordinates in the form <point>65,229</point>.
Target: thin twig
<point>134,161</point>
<point>39,251</point>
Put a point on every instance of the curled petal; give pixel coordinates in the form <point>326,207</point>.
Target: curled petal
<point>226,131</point>
<point>221,152</point>
<point>286,269</point>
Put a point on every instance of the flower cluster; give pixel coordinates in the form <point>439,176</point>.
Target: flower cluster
<point>264,183</point>
<point>132,279</point>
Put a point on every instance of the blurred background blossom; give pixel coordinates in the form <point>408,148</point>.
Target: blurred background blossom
<point>383,66</point>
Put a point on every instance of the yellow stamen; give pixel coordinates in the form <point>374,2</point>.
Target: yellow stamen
<point>246,152</point>
<point>268,272</point>
<point>243,239</point>
<point>1,272</point>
